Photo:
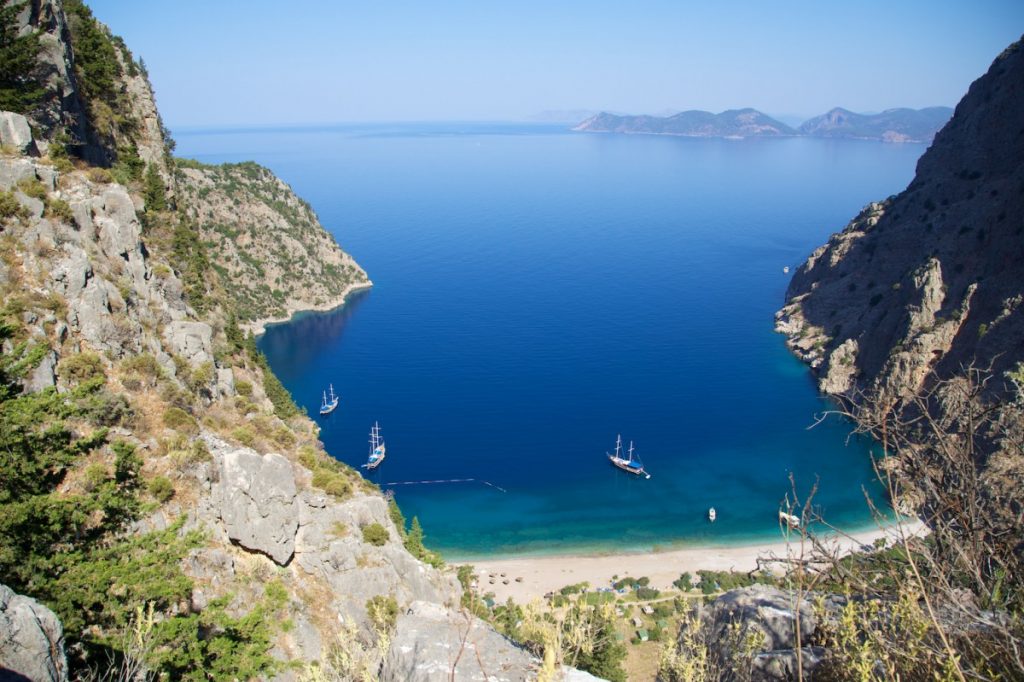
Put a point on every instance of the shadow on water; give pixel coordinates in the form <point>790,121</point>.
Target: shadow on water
<point>319,331</point>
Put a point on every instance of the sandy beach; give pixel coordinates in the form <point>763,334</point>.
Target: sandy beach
<point>542,574</point>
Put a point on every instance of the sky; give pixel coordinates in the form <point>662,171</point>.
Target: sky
<point>266,62</point>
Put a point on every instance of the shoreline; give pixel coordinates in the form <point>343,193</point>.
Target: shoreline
<point>259,327</point>
<point>530,578</point>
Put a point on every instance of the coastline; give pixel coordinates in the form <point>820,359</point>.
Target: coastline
<point>258,327</point>
<point>542,574</point>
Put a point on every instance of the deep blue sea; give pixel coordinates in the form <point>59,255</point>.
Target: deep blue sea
<point>538,292</point>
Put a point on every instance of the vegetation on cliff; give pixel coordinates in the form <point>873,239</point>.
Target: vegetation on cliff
<point>19,91</point>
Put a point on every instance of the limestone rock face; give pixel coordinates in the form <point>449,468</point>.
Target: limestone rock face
<point>357,571</point>
<point>257,500</point>
<point>14,132</point>
<point>766,616</point>
<point>31,640</point>
<point>429,640</point>
<point>928,281</point>
<point>62,104</point>
<point>191,340</point>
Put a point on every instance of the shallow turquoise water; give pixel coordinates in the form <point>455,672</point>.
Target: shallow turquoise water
<point>538,292</point>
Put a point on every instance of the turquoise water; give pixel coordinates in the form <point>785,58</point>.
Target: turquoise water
<point>538,292</point>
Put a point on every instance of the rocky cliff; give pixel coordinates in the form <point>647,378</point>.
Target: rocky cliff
<point>929,281</point>
<point>159,491</point>
<point>272,251</point>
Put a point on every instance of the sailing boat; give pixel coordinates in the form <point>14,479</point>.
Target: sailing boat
<point>377,448</point>
<point>630,464</point>
<point>329,406</point>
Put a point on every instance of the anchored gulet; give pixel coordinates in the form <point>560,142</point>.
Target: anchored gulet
<point>328,406</point>
<point>630,464</point>
<point>377,448</point>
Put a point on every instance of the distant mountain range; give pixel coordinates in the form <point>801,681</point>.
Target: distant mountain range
<point>893,125</point>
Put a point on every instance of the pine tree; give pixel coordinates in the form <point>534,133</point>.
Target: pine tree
<point>19,91</point>
<point>154,193</point>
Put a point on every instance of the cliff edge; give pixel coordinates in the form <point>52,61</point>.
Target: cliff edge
<point>931,279</point>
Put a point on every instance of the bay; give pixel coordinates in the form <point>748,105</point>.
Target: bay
<point>538,292</point>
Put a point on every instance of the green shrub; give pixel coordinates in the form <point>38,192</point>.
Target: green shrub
<point>58,209</point>
<point>684,582</point>
<point>243,388</point>
<point>180,420</point>
<point>647,593</point>
<point>100,176</point>
<point>331,482</point>
<point>245,436</point>
<point>33,188</point>
<point>383,612</point>
<point>80,367</point>
<point>200,377</point>
<point>11,208</point>
<point>145,366</point>
<point>375,534</point>
<point>160,488</point>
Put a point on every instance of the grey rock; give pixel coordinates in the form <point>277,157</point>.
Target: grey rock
<point>782,666</point>
<point>209,563</point>
<point>761,609</point>
<point>15,132</point>
<point>225,382</point>
<point>765,618</point>
<point>427,647</point>
<point>31,639</point>
<point>71,274</point>
<point>43,376</point>
<point>191,340</point>
<point>256,496</point>
<point>13,171</point>
<point>914,288</point>
<point>35,206</point>
<point>355,570</point>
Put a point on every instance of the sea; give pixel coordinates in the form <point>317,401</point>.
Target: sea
<point>538,292</point>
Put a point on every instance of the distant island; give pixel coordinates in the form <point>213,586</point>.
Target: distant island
<point>892,125</point>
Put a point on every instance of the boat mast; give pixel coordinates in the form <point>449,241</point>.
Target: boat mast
<point>618,446</point>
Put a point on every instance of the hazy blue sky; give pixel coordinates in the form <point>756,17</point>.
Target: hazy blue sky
<point>264,61</point>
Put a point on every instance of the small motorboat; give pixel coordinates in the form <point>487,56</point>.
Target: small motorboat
<point>712,515</point>
<point>791,520</point>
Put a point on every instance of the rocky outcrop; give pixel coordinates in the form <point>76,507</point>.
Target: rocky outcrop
<point>930,280</point>
<point>272,250</point>
<point>433,644</point>
<point>15,133</point>
<point>256,496</point>
<point>31,640</point>
<point>756,627</point>
<point>62,107</point>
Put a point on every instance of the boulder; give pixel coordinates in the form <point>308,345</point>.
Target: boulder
<point>225,382</point>
<point>761,609</point>
<point>191,340</point>
<point>43,376</point>
<point>31,640</point>
<point>432,644</point>
<point>765,618</point>
<point>15,132</point>
<point>256,499</point>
